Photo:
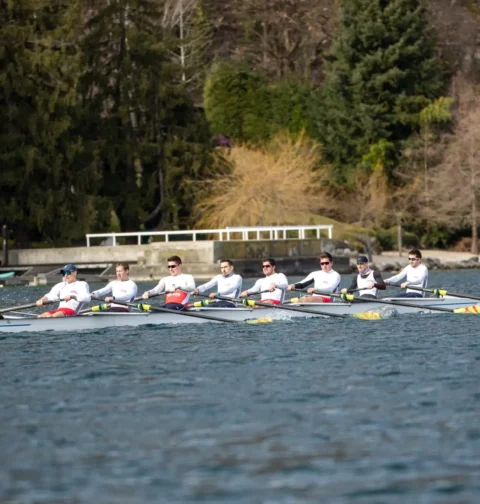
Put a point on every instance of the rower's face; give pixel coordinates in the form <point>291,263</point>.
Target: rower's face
<point>414,261</point>
<point>326,264</point>
<point>174,268</point>
<point>225,268</point>
<point>362,267</point>
<point>70,276</point>
<point>268,269</point>
<point>122,274</point>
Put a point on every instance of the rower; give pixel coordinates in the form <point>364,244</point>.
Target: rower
<point>228,283</point>
<point>327,280</point>
<point>122,289</point>
<point>368,281</point>
<point>177,286</point>
<point>274,284</point>
<point>71,292</point>
<point>416,273</point>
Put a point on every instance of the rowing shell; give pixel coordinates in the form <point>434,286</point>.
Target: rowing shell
<point>94,321</point>
<point>101,320</point>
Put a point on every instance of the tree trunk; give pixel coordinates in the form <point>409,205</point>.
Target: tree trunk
<point>399,236</point>
<point>474,224</point>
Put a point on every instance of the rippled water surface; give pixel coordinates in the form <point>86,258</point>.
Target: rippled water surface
<point>337,411</point>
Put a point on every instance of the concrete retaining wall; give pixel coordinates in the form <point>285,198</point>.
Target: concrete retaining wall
<point>294,257</point>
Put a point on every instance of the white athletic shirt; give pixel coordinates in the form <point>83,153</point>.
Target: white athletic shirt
<point>324,281</point>
<point>228,286</point>
<point>363,282</point>
<point>417,277</point>
<point>121,290</point>
<point>183,281</point>
<point>280,281</point>
<point>79,289</point>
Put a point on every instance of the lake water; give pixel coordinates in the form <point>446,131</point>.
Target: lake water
<point>304,411</point>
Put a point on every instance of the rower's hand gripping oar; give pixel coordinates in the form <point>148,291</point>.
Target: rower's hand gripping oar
<point>149,308</point>
<point>436,292</point>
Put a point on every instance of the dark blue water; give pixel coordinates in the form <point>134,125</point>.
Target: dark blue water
<point>304,411</point>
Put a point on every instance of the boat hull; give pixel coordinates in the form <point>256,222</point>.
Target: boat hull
<point>95,321</point>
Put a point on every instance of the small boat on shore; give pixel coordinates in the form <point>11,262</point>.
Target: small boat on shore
<point>100,320</point>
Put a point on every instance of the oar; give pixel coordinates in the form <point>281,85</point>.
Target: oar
<point>436,292</point>
<point>24,307</point>
<point>252,302</point>
<point>105,306</point>
<point>349,297</point>
<point>216,297</point>
<point>146,307</point>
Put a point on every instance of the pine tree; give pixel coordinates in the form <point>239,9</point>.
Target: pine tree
<point>381,73</point>
<point>147,135</point>
<point>243,105</point>
<point>43,196</point>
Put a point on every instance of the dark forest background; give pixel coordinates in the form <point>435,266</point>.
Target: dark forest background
<point>127,115</point>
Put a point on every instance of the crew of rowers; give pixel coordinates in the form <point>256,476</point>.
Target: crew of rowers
<point>178,287</point>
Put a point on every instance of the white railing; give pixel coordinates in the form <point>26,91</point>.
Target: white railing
<point>229,233</point>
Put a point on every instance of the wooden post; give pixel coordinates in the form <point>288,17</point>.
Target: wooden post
<point>399,236</point>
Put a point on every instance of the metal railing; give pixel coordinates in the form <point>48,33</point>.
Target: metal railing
<point>227,234</point>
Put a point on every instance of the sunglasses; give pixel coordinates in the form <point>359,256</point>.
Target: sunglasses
<point>266,265</point>
<point>67,272</point>
<point>413,258</point>
<point>172,266</point>
<point>324,263</point>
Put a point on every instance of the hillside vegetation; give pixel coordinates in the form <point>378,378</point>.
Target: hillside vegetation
<point>170,114</point>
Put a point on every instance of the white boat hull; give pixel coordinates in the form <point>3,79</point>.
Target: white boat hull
<point>99,320</point>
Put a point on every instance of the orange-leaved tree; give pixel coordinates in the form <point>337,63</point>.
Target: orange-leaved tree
<point>275,184</point>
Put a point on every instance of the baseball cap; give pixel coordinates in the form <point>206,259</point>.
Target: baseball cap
<point>362,260</point>
<point>68,267</point>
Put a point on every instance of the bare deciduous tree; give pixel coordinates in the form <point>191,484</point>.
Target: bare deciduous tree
<point>185,19</point>
<point>455,183</point>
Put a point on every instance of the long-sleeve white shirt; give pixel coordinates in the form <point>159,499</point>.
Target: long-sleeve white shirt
<point>416,277</point>
<point>228,286</point>
<point>183,281</point>
<point>79,289</point>
<point>121,290</point>
<point>280,281</point>
<point>323,281</point>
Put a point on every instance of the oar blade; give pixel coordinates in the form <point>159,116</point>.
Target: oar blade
<point>386,312</point>
<point>264,320</point>
<point>472,310</point>
<point>368,315</point>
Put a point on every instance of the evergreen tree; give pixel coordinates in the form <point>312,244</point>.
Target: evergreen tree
<point>147,135</point>
<point>237,103</point>
<point>42,194</point>
<point>381,73</point>
<point>243,105</point>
